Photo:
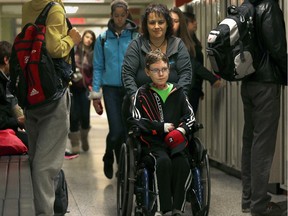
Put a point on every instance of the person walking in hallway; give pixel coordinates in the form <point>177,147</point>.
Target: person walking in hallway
<point>157,33</point>
<point>260,94</point>
<point>81,85</point>
<point>47,125</point>
<point>109,52</point>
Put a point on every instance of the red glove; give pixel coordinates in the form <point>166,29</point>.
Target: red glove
<point>176,141</point>
<point>98,106</point>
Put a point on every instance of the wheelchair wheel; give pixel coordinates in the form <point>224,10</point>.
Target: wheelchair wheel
<point>131,177</point>
<point>125,181</point>
<point>200,202</point>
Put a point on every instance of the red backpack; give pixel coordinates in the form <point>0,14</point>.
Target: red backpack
<point>34,79</point>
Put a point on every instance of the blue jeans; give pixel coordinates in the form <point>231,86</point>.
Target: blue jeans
<point>113,99</point>
<point>80,110</point>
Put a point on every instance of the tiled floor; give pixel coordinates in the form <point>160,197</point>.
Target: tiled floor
<point>92,194</point>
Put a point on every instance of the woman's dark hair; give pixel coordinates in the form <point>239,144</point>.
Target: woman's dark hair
<point>80,47</point>
<point>93,38</point>
<point>190,17</point>
<point>158,9</point>
<point>5,51</point>
<point>183,31</point>
<point>155,56</point>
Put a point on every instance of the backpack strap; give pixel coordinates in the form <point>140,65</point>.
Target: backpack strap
<point>72,52</point>
<point>41,19</point>
<point>103,38</point>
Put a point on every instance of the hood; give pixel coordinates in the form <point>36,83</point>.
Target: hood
<point>129,25</point>
<point>38,5</point>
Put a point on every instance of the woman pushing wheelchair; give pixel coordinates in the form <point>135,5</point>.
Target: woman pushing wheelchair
<point>165,117</point>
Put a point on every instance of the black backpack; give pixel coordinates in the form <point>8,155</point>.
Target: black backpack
<point>232,46</point>
<point>61,194</point>
<point>35,76</point>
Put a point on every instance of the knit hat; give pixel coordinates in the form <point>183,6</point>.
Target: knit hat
<point>176,141</point>
<point>119,3</point>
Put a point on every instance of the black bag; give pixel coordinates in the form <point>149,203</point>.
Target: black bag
<point>232,46</point>
<point>35,77</point>
<point>61,194</point>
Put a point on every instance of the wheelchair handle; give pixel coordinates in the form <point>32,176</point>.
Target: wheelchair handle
<point>197,126</point>
<point>134,130</point>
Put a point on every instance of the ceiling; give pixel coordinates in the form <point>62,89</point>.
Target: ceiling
<point>95,12</point>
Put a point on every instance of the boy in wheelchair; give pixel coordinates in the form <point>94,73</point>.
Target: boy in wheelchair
<point>165,117</point>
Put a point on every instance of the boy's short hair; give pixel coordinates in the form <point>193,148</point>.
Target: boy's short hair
<point>155,56</point>
<point>118,3</point>
<point>5,51</point>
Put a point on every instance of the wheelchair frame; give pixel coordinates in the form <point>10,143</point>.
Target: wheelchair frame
<point>129,177</point>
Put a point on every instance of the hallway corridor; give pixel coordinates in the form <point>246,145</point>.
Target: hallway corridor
<point>92,194</point>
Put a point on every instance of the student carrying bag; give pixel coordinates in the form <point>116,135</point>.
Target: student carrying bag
<point>35,76</point>
<point>232,47</point>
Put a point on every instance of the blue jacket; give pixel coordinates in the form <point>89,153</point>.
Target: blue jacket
<point>108,56</point>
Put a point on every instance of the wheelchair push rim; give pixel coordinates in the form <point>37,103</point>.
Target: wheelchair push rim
<point>201,207</point>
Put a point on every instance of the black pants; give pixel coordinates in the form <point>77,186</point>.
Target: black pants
<point>172,179</point>
<point>261,114</point>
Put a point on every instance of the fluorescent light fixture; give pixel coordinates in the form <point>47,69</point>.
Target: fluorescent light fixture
<point>71,9</point>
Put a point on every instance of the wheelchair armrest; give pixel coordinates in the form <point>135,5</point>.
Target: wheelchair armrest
<point>134,131</point>
<point>196,127</point>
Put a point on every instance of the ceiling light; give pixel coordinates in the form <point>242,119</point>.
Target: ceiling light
<point>71,9</point>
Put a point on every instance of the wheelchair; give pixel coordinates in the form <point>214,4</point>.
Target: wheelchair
<point>135,183</point>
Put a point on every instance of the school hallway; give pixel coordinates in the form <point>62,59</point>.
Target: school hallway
<point>92,194</point>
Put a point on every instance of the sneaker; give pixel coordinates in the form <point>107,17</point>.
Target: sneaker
<point>272,210</point>
<point>108,165</point>
<point>69,155</point>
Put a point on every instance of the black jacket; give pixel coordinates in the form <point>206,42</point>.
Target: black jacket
<point>270,31</point>
<point>150,113</point>
<point>200,72</point>
<point>7,119</point>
